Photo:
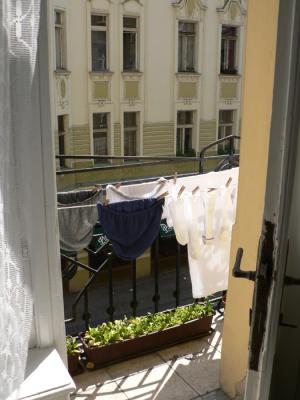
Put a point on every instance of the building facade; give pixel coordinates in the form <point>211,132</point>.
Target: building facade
<point>145,77</point>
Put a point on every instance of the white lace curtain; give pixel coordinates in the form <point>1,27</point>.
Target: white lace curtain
<point>19,25</point>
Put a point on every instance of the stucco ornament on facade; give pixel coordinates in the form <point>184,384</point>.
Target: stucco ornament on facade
<point>109,1</point>
<point>233,7</point>
<point>62,92</point>
<point>191,6</point>
<point>137,1</point>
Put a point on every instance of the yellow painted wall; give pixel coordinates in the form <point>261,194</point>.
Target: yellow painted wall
<point>257,108</point>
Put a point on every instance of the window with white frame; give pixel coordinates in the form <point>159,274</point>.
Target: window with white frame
<point>184,136</point>
<point>62,123</point>
<point>100,133</point>
<point>60,39</point>
<point>99,39</point>
<point>130,133</point>
<point>226,128</point>
<point>186,47</point>
<point>130,43</point>
<point>229,50</point>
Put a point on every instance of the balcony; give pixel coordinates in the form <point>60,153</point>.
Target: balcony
<point>111,288</point>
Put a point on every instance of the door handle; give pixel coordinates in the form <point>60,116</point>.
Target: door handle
<point>237,272</point>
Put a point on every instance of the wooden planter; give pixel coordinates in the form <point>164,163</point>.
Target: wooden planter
<point>73,364</point>
<point>100,356</point>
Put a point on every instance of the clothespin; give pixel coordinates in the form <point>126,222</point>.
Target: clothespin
<point>228,182</point>
<point>161,182</point>
<point>97,188</point>
<point>181,190</point>
<point>162,195</point>
<point>195,190</point>
<point>118,185</point>
<point>211,189</point>
<point>175,178</point>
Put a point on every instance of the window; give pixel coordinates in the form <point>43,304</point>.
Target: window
<point>226,125</point>
<point>99,42</point>
<point>62,128</point>
<point>186,47</point>
<point>228,50</point>
<point>60,40</point>
<point>130,133</point>
<point>100,134</point>
<point>184,139</point>
<point>130,44</point>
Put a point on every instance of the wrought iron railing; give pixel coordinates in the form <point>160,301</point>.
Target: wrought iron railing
<point>102,258</point>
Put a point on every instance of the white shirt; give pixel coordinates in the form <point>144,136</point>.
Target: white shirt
<point>209,267</point>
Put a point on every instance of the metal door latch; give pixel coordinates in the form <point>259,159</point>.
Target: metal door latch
<point>237,272</point>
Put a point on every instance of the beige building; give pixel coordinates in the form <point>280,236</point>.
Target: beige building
<point>145,77</point>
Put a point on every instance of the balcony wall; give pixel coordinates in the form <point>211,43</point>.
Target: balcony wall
<point>257,111</point>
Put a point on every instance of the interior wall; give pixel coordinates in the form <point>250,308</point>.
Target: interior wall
<point>259,71</point>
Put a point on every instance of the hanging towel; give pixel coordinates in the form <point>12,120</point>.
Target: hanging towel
<point>204,222</point>
<point>131,226</point>
<point>209,266</point>
<point>139,190</point>
<point>76,225</point>
<point>115,195</point>
<point>177,218</point>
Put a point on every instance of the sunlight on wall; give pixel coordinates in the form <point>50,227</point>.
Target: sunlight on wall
<point>257,108</point>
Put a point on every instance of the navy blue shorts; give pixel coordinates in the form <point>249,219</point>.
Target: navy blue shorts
<point>131,226</point>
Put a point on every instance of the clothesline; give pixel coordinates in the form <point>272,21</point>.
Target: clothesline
<point>75,207</point>
<point>161,182</point>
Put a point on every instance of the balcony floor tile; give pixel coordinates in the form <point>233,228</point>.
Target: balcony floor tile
<point>215,339</point>
<point>199,370</point>
<point>96,384</point>
<point>216,395</point>
<point>136,365</point>
<point>159,383</point>
<point>193,347</point>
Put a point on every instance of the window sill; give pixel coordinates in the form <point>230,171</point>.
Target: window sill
<point>132,73</point>
<point>179,73</point>
<point>222,74</point>
<point>106,72</point>
<point>62,72</point>
<point>46,377</point>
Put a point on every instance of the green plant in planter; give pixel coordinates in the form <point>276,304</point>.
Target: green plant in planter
<point>72,346</point>
<point>121,330</point>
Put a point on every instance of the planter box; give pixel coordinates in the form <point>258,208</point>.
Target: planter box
<point>101,356</point>
<point>73,364</point>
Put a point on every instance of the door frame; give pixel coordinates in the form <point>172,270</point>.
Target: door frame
<point>280,175</point>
